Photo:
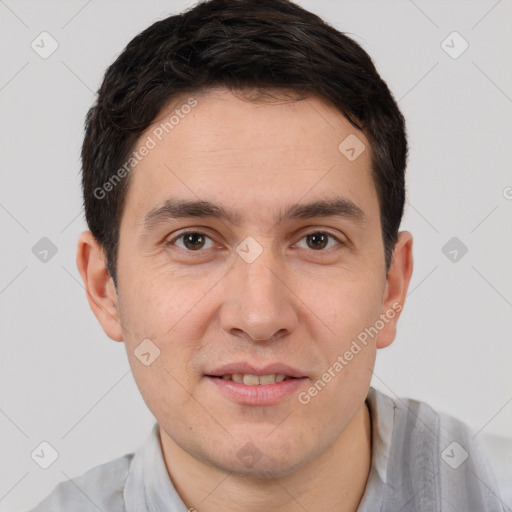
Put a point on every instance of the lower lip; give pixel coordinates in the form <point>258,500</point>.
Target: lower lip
<point>260,394</point>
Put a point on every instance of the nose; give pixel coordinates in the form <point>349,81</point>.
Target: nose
<point>259,304</point>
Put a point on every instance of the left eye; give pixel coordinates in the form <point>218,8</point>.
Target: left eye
<point>318,240</point>
<point>193,241</point>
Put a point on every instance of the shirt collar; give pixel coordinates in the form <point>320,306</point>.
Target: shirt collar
<point>382,415</point>
<point>148,487</point>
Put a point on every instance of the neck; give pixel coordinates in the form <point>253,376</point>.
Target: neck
<point>335,481</point>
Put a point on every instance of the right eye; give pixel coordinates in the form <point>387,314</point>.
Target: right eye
<point>193,241</point>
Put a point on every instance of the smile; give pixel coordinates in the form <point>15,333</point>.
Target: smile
<point>257,390</point>
<point>255,380</point>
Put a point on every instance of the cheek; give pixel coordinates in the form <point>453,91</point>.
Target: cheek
<point>156,302</point>
<point>168,310</point>
<point>344,313</point>
<point>164,390</point>
<point>345,306</point>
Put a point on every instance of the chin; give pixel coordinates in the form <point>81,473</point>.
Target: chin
<point>262,458</point>
<point>264,469</point>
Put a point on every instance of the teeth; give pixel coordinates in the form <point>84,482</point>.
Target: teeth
<point>264,379</point>
<point>251,380</point>
<point>254,380</point>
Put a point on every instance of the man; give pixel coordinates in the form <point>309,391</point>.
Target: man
<point>243,180</point>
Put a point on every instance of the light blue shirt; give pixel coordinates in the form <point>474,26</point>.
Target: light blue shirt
<point>422,461</point>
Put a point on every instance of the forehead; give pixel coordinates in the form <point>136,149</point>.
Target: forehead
<point>250,156</point>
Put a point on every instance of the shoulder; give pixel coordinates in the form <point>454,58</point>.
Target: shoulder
<point>100,488</point>
<point>438,458</point>
<point>498,450</point>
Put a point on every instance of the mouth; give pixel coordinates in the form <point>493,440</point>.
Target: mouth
<point>246,384</point>
<point>254,380</point>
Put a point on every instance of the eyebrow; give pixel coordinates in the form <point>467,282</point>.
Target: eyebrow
<point>180,208</point>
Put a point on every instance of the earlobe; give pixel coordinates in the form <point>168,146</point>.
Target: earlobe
<point>101,294</point>
<point>397,284</point>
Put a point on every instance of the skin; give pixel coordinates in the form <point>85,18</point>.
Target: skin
<point>296,303</point>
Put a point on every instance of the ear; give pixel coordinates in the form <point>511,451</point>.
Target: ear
<point>101,293</point>
<point>397,283</point>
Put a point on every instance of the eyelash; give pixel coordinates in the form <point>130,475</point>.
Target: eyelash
<point>185,233</point>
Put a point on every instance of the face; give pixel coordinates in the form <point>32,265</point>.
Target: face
<point>273,287</point>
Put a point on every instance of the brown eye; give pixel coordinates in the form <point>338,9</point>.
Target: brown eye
<point>319,240</point>
<point>192,241</point>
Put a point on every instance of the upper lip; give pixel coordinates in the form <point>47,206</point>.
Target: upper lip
<point>249,369</point>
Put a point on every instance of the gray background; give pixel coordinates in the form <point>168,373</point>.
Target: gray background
<point>63,381</point>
